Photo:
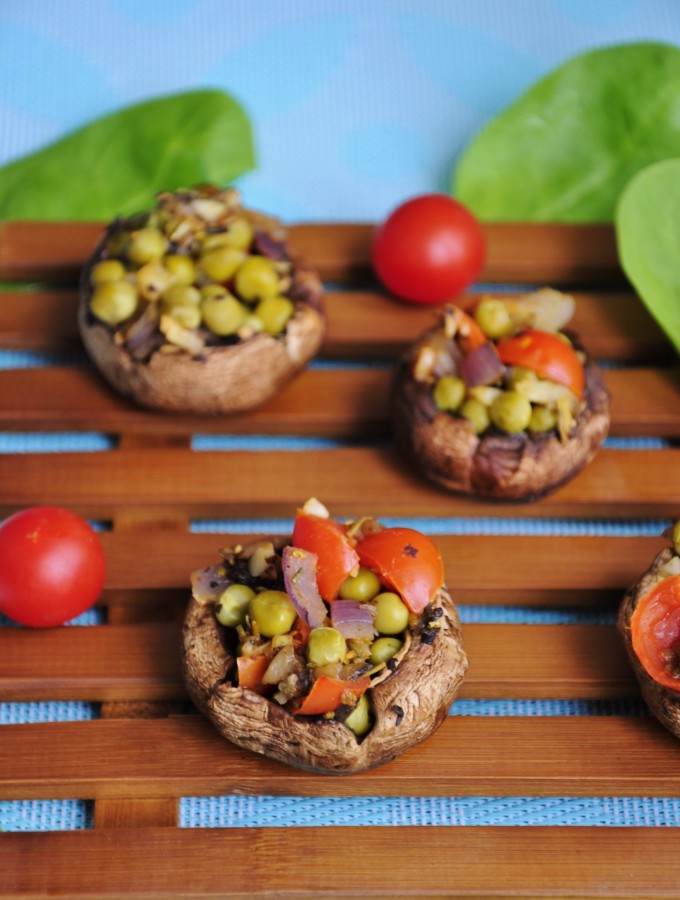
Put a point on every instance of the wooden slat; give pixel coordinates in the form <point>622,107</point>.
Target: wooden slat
<point>441,862</point>
<point>173,482</point>
<point>343,403</point>
<point>45,251</point>
<point>576,756</point>
<point>134,662</point>
<point>362,324</point>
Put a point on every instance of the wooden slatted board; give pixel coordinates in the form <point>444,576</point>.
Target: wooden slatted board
<point>143,753</point>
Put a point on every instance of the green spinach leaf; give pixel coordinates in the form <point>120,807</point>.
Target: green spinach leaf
<point>648,239</point>
<point>116,164</point>
<point>564,151</point>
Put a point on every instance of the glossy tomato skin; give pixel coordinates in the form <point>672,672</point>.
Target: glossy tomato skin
<point>655,632</point>
<point>429,249</point>
<point>547,355</point>
<point>336,556</point>
<point>52,566</point>
<point>406,561</point>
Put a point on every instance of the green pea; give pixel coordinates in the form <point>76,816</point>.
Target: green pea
<point>511,412</point>
<point>359,720</point>
<point>324,646</point>
<point>274,313</point>
<point>107,270</point>
<point>272,612</point>
<point>181,268</point>
<point>449,392</point>
<point>232,606</point>
<point>493,317</point>
<point>114,301</point>
<point>363,586</point>
<point>146,244</point>
<point>256,278</point>
<point>223,314</point>
<point>221,263</point>
<point>384,648</point>
<point>391,616</point>
<point>542,419</point>
<point>476,413</point>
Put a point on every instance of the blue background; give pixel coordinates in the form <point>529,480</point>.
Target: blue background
<point>355,104</point>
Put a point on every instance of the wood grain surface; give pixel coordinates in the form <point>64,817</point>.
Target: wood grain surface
<point>146,749</point>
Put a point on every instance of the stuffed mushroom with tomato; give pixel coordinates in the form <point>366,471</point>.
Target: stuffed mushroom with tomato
<point>334,650</point>
<point>499,401</point>
<point>649,623</point>
<point>199,305</point>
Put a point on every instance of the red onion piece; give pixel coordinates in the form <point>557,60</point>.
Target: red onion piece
<point>481,366</point>
<point>207,584</point>
<point>299,576</point>
<point>353,619</point>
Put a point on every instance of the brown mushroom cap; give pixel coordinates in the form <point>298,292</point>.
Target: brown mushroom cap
<point>494,466</point>
<point>663,702</point>
<point>224,377</point>
<point>408,704</point>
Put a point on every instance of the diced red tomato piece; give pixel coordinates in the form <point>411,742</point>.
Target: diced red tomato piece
<point>407,561</point>
<point>250,672</point>
<point>547,355</point>
<point>326,694</point>
<point>655,632</point>
<point>335,552</point>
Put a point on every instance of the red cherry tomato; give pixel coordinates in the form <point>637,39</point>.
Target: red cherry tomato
<point>547,355</point>
<point>406,561</point>
<point>336,555</point>
<point>52,566</point>
<point>655,632</point>
<point>429,249</point>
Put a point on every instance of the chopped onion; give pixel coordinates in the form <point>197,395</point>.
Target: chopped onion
<point>207,584</point>
<point>353,619</point>
<point>299,576</point>
<point>481,366</point>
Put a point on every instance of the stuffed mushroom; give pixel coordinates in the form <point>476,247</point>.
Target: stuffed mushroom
<point>649,623</point>
<point>199,305</point>
<point>333,651</point>
<point>499,401</point>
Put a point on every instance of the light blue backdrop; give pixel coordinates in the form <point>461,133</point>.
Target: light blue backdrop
<point>356,104</point>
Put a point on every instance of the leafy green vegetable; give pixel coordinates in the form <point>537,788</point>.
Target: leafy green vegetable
<point>118,163</point>
<point>564,151</point>
<point>648,238</point>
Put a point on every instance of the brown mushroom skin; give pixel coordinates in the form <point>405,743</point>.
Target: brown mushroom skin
<point>407,706</point>
<point>663,702</point>
<point>225,377</point>
<point>494,466</point>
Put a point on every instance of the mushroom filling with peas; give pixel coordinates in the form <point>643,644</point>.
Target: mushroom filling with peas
<point>313,624</point>
<point>507,365</point>
<point>195,271</point>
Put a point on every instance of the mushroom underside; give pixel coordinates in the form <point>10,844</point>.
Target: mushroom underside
<point>496,466</point>
<point>407,705</point>
<point>663,702</point>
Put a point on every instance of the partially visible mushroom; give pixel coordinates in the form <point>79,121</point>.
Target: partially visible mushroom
<point>485,461</point>
<point>649,624</point>
<point>409,697</point>
<point>162,350</point>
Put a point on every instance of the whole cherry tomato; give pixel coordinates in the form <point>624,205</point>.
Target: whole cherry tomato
<point>336,556</point>
<point>547,355</point>
<point>655,632</point>
<point>405,560</point>
<point>52,566</point>
<point>429,249</point>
